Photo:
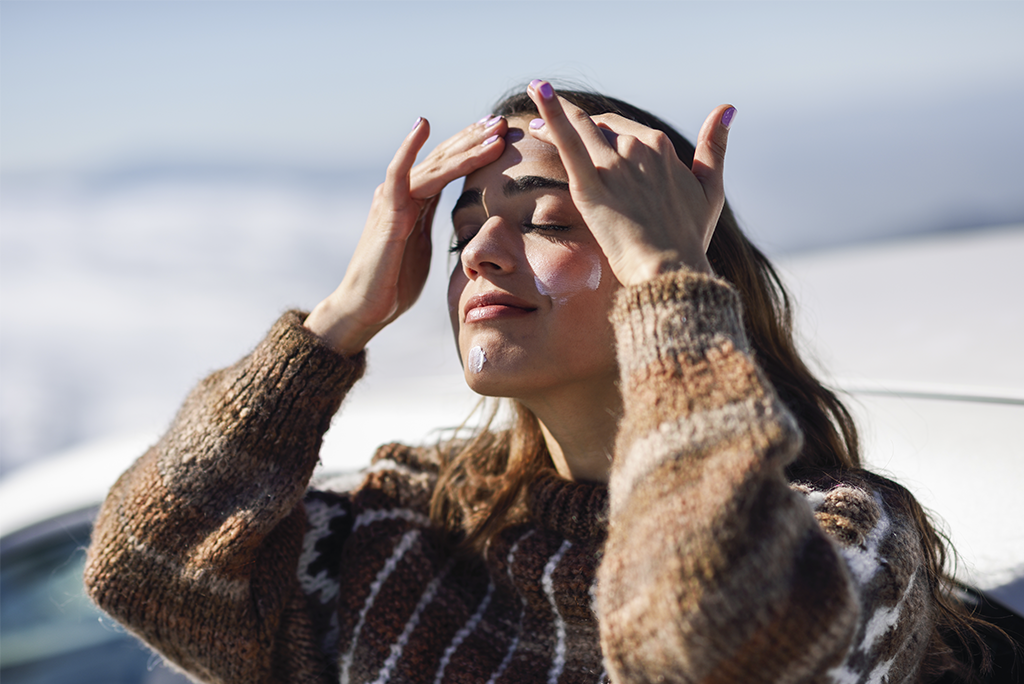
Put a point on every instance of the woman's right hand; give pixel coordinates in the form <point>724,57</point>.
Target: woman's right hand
<point>390,264</point>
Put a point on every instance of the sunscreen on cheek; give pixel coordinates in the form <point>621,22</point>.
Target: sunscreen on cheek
<point>477,359</point>
<point>562,277</point>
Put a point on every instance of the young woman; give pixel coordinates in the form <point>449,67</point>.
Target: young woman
<point>677,499</point>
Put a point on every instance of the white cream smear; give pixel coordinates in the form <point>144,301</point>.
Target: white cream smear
<point>477,359</point>
<point>562,283</point>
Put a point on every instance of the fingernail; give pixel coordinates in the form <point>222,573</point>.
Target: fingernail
<point>546,91</point>
<point>535,83</point>
<point>727,116</point>
<point>493,121</point>
<point>537,124</point>
<point>485,119</point>
<point>416,125</point>
<point>490,140</point>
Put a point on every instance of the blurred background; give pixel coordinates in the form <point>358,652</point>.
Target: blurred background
<point>176,174</point>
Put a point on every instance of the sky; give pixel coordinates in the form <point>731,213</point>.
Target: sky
<point>175,174</point>
<point>871,107</point>
<point>87,84</point>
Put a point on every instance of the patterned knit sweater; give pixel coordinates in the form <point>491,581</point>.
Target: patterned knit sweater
<point>698,563</point>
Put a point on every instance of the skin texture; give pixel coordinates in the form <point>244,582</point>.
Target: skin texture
<point>627,210</point>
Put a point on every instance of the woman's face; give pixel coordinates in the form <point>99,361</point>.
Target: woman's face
<point>530,294</point>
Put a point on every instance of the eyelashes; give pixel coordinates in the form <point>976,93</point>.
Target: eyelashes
<point>459,244</point>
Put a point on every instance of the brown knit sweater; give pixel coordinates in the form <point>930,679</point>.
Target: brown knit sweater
<point>699,562</point>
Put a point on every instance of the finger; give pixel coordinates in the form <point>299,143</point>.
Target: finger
<point>469,136</point>
<point>616,128</point>
<point>396,181</point>
<point>571,131</point>
<point>709,158</point>
<point>473,148</point>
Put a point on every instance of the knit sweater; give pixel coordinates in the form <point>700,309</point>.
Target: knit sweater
<point>699,562</point>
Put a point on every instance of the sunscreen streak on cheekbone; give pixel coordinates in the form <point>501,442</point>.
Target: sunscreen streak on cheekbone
<point>561,283</point>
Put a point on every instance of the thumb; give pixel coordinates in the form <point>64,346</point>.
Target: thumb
<point>709,157</point>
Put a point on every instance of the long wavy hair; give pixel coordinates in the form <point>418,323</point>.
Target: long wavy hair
<point>482,488</point>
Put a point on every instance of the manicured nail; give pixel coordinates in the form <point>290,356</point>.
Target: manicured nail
<point>727,116</point>
<point>537,124</point>
<point>486,119</point>
<point>493,121</point>
<point>535,83</point>
<point>546,91</point>
<point>490,140</point>
<point>416,125</point>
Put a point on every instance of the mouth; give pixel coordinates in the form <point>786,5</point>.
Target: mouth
<point>495,305</point>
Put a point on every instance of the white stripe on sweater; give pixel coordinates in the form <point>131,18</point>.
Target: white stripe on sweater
<point>377,515</point>
<point>466,630</point>
<point>343,483</point>
<point>880,622</point>
<point>558,664</point>
<point>865,562</point>
<point>884,618</point>
<point>319,514</point>
<point>382,575</point>
<point>410,626</point>
<point>509,559</point>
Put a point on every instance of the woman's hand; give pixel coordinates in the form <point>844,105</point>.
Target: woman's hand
<point>390,264</point>
<point>648,211</point>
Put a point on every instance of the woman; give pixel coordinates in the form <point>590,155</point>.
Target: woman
<point>735,540</point>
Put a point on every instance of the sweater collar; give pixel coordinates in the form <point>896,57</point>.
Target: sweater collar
<point>578,511</point>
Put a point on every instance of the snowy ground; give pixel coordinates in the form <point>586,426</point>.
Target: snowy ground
<point>927,332</point>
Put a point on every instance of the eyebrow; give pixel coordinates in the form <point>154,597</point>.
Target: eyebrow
<point>512,188</point>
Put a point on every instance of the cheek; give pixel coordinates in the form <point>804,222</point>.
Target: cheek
<point>561,272</point>
<point>456,284</point>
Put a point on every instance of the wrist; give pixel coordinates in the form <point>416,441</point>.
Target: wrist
<point>657,264</point>
<point>341,332</point>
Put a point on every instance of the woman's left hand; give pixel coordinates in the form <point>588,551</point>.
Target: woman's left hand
<point>648,211</point>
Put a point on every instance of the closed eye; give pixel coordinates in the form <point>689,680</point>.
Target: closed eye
<point>459,243</point>
<point>544,226</point>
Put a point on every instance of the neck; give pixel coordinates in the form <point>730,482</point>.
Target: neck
<point>579,429</point>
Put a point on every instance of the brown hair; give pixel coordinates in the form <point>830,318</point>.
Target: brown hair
<point>482,489</point>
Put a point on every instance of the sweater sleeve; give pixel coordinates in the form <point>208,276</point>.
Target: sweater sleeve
<point>716,569</point>
<point>195,549</point>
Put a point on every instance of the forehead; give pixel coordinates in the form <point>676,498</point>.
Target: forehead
<point>524,155</point>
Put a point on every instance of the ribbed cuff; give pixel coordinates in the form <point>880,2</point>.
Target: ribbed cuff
<point>678,312</point>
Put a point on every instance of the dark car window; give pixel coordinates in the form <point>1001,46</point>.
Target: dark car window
<point>51,632</point>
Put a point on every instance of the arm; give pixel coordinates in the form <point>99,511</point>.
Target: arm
<point>715,570</point>
<point>197,546</point>
<point>714,566</point>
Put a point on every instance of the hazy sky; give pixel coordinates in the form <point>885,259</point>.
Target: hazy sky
<point>92,84</point>
<point>857,121</point>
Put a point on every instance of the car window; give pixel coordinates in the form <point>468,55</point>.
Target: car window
<point>51,632</point>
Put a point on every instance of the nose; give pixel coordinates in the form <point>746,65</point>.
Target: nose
<point>491,251</point>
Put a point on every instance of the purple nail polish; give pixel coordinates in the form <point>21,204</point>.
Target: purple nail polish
<point>493,121</point>
<point>537,124</point>
<point>727,116</point>
<point>490,140</point>
<point>485,119</point>
<point>535,82</point>
<point>546,91</point>
<point>416,125</point>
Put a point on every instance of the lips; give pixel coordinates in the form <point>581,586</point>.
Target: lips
<point>492,305</point>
